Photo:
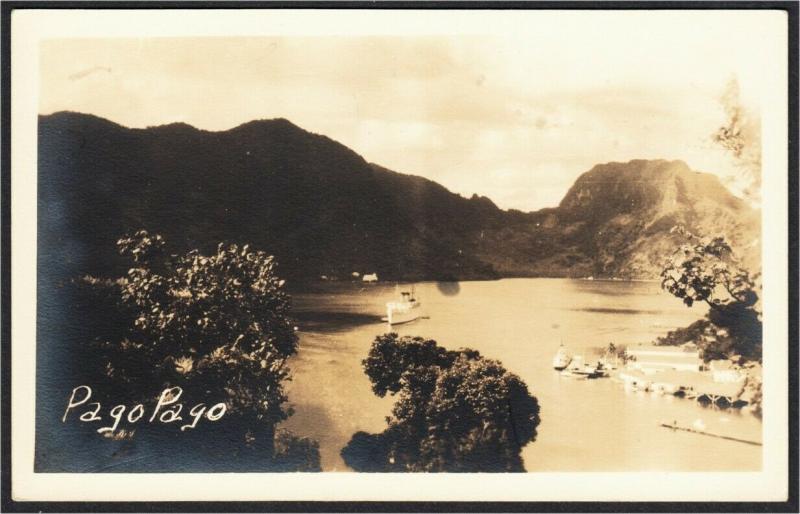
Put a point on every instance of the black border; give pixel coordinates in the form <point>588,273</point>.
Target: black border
<point>8,505</point>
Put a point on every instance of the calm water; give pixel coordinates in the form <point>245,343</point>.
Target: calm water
<point>591,425</point>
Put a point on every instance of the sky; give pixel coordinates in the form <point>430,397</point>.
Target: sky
<point>512,115</point>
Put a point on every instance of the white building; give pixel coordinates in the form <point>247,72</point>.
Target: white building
<point>370,277</point>
<point>651,359</point>
<point>724,372</point>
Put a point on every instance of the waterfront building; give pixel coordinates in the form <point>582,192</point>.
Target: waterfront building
<point>724,372</point>
<point>690,384</point>
<point>652,359</point>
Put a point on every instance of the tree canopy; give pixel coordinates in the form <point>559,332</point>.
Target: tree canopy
<point>705,269</point>
<point>455,411</point>
<point>216,325</point>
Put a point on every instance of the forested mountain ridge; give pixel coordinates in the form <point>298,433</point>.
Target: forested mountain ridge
<point>324,210</point>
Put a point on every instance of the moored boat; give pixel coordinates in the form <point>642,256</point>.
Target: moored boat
<point>580,369</point>
<point>408,308</point>
<point>561,359</point>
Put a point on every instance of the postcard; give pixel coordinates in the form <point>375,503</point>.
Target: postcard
<point>400,255</point>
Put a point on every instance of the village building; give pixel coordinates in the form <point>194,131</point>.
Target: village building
<point>653,359</point>
<point>724,372</point>
<point>679,370</point>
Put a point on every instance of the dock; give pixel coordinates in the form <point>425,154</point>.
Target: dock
<point>709,434</point>
<point>689,384</point>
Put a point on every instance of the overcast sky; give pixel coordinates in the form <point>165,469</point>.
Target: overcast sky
<point>516,118</point>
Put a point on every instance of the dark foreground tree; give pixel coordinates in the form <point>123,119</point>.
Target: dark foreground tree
<point>455,411</point>
<point>215,325</point>
<point>706,270</point>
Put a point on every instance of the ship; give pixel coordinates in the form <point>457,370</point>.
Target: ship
<point>407,309</point>
<point>578,368</point>
<point>561,359</point>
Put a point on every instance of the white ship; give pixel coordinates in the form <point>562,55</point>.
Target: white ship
<point>562,358</point>
<point>405,310</point>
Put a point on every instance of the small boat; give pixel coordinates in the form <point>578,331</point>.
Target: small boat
<point>580,369</point>
<point>602,370</point>
<point>561,359</point>
<point>408,308</point>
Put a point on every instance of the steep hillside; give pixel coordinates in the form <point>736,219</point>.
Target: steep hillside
<point>616,220</point>
<point>322,209</point>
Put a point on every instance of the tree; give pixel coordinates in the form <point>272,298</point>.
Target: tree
<point>741,137</point>
<point>455,411</point>
<point>216,325</point>
<point>706,270</point>
<point>294,453</point>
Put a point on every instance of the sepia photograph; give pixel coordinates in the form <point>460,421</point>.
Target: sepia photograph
<point>443,243</point>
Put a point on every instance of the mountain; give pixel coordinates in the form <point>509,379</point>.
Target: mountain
<point>615,221</point>
<point>323,210</point>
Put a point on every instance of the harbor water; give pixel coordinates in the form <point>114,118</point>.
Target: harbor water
<point>587,425</point>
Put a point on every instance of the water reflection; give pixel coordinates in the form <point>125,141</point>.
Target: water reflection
<point>337,321</point>
<point>587,425</point>
<point>604,310</point>
<point>448,288</point>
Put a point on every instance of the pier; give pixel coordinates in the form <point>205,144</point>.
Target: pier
<point>702,432</point>
<point>691,385</point>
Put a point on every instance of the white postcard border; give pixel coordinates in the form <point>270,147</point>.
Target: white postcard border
<point>29,27</point>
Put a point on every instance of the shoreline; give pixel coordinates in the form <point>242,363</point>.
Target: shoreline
<point>308,285</point>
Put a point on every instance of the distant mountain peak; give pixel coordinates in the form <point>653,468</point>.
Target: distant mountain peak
<point>268,123</point>
<point>177,125</point>
<point>78,118</point>
<point>483,200</point>
<point>75,117</point>
<point>324,210</point>
<point>641,184</point>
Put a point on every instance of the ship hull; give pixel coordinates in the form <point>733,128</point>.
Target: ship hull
<point>400,317</point>
<point>561,360</point>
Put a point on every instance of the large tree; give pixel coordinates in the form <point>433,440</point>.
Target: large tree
<point>216,325</point>
<point>455,411</point>
<point>706,270</point>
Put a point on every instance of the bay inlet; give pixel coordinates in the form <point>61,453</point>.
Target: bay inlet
<point>587,425</point>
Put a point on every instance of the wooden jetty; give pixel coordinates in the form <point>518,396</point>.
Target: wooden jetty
<point>702,432</point>
<point>688,384</point>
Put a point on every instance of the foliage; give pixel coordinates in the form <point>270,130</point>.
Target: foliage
<point>741,137</point>
<point>455,411</point>
<point>705,269</point>
<point>616,352</point>
<point>741,325</point>
<point>368,452</point>
<point>754,386</point>
<point>216,325</point>
<point>712,341</point>
<point>691,334</point>
<point>296,453</point>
